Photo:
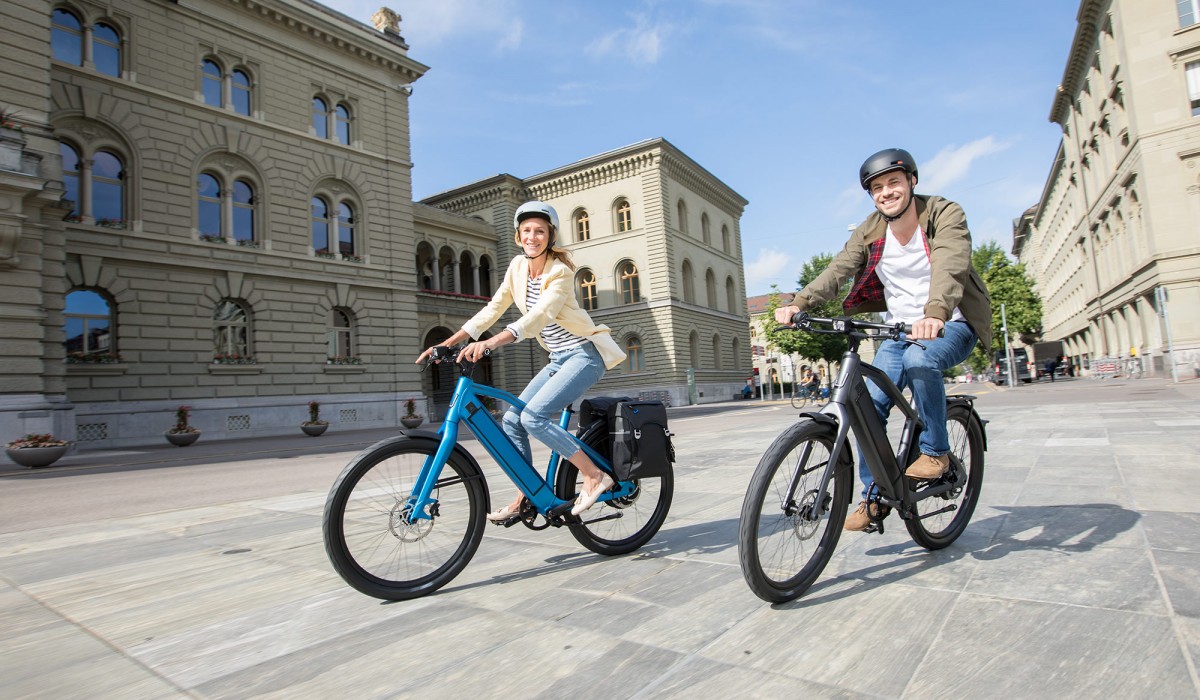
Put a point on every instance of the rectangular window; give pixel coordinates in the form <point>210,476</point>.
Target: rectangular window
<point>1189,10</point>
<point>1193,86</point>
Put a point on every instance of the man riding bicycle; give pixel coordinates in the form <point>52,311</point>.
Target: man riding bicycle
<point>911,259</point>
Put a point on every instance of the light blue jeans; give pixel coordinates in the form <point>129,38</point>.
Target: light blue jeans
<point>921,369</point>
<point>559,384</point>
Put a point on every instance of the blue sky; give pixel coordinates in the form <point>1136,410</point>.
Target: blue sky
<point>780,99</point>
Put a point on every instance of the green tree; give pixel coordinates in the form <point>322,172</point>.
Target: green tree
<point>1007,284</point>
<point>829,348</point>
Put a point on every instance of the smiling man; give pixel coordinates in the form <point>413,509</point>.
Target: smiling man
<point>910,259</point>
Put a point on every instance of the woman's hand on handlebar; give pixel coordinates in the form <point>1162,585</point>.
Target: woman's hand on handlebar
<point>926,329</point>
<point>474,352</point>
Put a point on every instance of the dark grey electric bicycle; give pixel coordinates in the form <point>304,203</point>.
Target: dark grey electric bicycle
<point>796,502</point>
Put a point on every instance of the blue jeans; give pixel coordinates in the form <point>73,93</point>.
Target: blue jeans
<point>559,384</point>
<point>921,369</point>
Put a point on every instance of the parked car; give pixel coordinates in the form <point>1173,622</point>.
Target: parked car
<point>1023,369</point>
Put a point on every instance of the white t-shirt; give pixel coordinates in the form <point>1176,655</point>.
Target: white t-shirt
<point>905,273</point>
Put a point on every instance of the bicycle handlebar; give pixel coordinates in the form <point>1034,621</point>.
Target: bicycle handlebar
<point>443,353</point>
<point>845,325</point>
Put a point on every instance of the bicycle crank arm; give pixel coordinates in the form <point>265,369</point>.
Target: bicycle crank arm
<point>603,518</point>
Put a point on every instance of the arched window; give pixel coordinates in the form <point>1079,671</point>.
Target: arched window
<point>681,213</point>
<point>342,123</point>
<point>210,83</point>
<point>243,212</point>
<point>583,230</point>
<point>70,165</point>
<point>426,274</point>
<point>240,92</point>
<point>108,189</point>
<point>231,333</point>
<point>106,49</point>
<point>485,276</point>
<point>320,117</point>
<point>689,283</point>
<point>627,273</point>
<point>710,285</point>
<point>208,207</point>
<point>634,360</point>
<point>731,295</point>
<point>89,326</point>
<point>320,227</point>
<point>725,238</point>
<point>623,215</point>
<point>694,349</point>
<point>66,37</point>
<point>466,273</point>
<point>705,229</point>
<point>586,281</point>
<point>346,224</point>
<point>340,336</point>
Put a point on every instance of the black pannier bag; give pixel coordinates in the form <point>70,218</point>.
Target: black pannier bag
<point>641,442</point>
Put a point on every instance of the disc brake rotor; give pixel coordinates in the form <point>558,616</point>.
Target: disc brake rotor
<point>406,530</point>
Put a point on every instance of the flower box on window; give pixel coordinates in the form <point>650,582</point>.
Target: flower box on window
<point>232,358</point>
<point>93,358</point>
<point>324,253</point>
<point>247,244</point>
<point>111,223</point>
<point>211,238</point>
<point>343,360</point>
<point>72,218</point>
<point>351,258</point>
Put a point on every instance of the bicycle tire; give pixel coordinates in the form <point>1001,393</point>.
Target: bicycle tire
<point>368,543</point>
<point>966,454</point>
<point>772,535</point>
<point>799,399</point>
<point>640,515</point>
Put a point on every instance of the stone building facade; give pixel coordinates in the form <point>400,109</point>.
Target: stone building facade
<point>1117,220</point>
<point>210,204</point>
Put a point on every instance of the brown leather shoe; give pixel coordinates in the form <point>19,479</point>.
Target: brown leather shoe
<point>928,467</point>
<point>859,520</point>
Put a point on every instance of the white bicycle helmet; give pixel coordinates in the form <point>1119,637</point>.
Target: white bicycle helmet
<point>535,208</point>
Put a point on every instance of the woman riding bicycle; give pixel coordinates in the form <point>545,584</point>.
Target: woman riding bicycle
<point>540,282</point>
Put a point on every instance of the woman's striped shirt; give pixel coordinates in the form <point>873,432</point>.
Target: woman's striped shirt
<point>555,336</point>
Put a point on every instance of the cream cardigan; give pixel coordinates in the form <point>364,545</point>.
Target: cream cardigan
<point>557,304</point>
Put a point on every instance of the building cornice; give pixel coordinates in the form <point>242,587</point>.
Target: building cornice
<point>1078,59</point>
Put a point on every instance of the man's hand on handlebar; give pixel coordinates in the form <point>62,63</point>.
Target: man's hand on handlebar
<point>926,329</point>
<point>784,314</point>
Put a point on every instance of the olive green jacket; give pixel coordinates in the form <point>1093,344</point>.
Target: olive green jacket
<point>953,281</point>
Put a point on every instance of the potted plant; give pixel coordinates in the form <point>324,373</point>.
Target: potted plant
<point>37,450</point>
<point>411,419</point>
<point>314,426</point>
<point>182,434</point>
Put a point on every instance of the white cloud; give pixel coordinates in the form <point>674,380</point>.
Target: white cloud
<point>642,43</point>
<point>769,265</point>
<point>952,163</point>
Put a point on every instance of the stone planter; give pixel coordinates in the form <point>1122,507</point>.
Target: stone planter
<point>34,457</point>
<point>413,422</point>
<point>314,430</point>
<point>182,439</point>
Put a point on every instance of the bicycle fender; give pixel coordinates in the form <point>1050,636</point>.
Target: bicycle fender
<point>467,458</point>
<point>969,403</point>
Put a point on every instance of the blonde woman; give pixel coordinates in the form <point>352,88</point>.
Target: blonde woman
<point>540,282</point>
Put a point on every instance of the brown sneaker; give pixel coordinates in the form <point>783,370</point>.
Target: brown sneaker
<point>928,467</point>
<point>859,521</point>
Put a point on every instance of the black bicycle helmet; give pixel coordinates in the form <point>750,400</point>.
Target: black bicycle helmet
<point>885,161</point>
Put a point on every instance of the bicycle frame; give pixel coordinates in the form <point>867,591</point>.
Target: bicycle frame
<point>851,409</point>
<point>467,406</point>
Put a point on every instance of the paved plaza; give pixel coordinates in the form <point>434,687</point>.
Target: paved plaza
<point>1079,577</point>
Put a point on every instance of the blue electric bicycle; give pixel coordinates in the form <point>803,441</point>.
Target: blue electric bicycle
<point>407,514</point>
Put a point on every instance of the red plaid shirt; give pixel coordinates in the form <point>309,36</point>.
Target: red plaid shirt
<point>868,287</point>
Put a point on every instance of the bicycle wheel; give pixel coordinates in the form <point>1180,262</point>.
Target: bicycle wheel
<point>799,398</point>
<point>621,525</point>
<point>370,542</point>
<point>966,460</point>
<point>782,552</point>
